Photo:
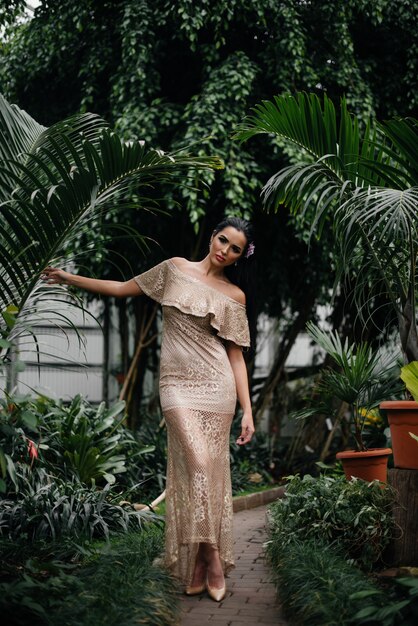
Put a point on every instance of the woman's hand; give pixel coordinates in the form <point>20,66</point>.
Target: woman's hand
<point>247,429</point>
<point>55,276</point>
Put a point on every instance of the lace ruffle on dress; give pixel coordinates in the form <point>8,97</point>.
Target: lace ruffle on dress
<point>198,399</point>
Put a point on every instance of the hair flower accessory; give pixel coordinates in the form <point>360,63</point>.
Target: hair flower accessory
<point>250,250</point>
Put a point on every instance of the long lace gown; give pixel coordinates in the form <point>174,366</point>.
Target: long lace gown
<point>198,399</point>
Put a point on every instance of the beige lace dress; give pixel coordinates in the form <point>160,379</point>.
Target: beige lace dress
<point>198,399</point>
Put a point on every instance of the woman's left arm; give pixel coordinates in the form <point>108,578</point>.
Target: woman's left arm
<point>239,369</point>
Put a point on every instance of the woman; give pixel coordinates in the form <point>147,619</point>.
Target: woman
<point>202,372</point>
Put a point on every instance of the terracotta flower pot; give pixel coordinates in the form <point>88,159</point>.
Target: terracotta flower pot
<point>403,419</point>
<point>369,465</point>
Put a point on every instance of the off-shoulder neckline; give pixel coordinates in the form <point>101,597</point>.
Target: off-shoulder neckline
<point>197,280</point>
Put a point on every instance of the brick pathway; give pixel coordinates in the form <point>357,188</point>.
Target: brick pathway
<point>251,597</point>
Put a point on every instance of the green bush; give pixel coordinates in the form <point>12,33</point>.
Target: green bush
<point>75,440</point>
<point>316,583</point>
<point>152,435</point>
<point>49,509</point>
<point>249,462</point>
<point>116,584</point>
<point>400,608</point>
<point>354,514</point>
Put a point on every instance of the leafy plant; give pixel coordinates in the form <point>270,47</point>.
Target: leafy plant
<point>354,515</point>
<point>316,584</point>
<point>152,436</point>
<point>362,180</point>
<point>122,585</point>
<point>114,582</point>
<point>401,607</point>
<point>18,425</point>
<point>361,379</point>
<point>86,441</point>
<point>70,440</point>
<point>250,465</point>
<point>50,509</point>
<point>409,375</point>
<point>54,182</point>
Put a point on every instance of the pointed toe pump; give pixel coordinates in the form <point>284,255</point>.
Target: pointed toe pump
<point>194,591</point>
<point>216,594</point>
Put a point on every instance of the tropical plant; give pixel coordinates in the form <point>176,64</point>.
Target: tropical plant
<point>88,442</point>
<point>400,606</point>
<point>49,508</point>
<point>325,589</point>
<point>355,515</point>
<point>53,182</point>
<point>363,181</point>
<point>361,377</point>
<point>114,582</point>
<point>409,375</point>
<point>69,440</point>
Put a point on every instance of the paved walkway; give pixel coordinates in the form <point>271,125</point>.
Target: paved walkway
<point>251,597</point>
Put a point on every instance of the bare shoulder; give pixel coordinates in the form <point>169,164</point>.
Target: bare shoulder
<point>179,261</point>
<point>236,293</point>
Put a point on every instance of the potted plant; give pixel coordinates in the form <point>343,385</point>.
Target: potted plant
<point>360,377</point>
<point>403,422</point>
<point>361,181</point>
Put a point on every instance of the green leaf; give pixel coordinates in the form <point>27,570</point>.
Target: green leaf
<point>30,420</point>
<point>409,375</point>
<point>55,181</point>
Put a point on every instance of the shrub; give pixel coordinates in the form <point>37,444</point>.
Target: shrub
<point>75,440</point>
<point>250,462</point>
<point>117,584</point>
<point>50,508</point>
<point>316,583</point>
<point>400,608</point>
<point>354,514</point>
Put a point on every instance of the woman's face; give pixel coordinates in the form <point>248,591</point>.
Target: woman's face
<point>227,246</point>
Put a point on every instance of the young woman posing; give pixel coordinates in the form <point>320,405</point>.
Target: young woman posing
<point>202,371</point>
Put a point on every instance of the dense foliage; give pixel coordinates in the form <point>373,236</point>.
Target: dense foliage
<point>70,472</point>
<point>115,583</point>
<point>188,72</point>
<point>316,582</point>
<point>178,73</point>
<point>322,534</point>
<point>73,440</point>
<point>353,514</point>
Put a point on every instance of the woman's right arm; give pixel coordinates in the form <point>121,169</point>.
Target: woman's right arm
<point>115,288</point>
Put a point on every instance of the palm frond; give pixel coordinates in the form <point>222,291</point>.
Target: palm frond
<point>54,180</point>
<point>362,182</point>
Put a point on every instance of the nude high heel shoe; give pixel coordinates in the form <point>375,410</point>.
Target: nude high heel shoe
<point>216,594</point>
<point>194,591</point>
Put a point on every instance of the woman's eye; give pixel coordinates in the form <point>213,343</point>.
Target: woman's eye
<point>222,239</point>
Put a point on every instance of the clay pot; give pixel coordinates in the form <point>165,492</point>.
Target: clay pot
<point>403,419</point>
<point>369,465</point>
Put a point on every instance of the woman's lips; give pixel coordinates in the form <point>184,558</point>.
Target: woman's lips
<point>220,258</point>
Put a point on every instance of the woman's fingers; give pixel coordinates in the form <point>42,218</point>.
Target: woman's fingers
<point>246,435</point>
<point>52,275</point>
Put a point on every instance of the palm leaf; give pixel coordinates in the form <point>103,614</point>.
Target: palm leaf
<point>363,182</point>
<point>55,181</point>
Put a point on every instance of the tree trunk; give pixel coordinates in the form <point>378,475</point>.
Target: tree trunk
<point>145,313</point>
<point>403,550</point>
